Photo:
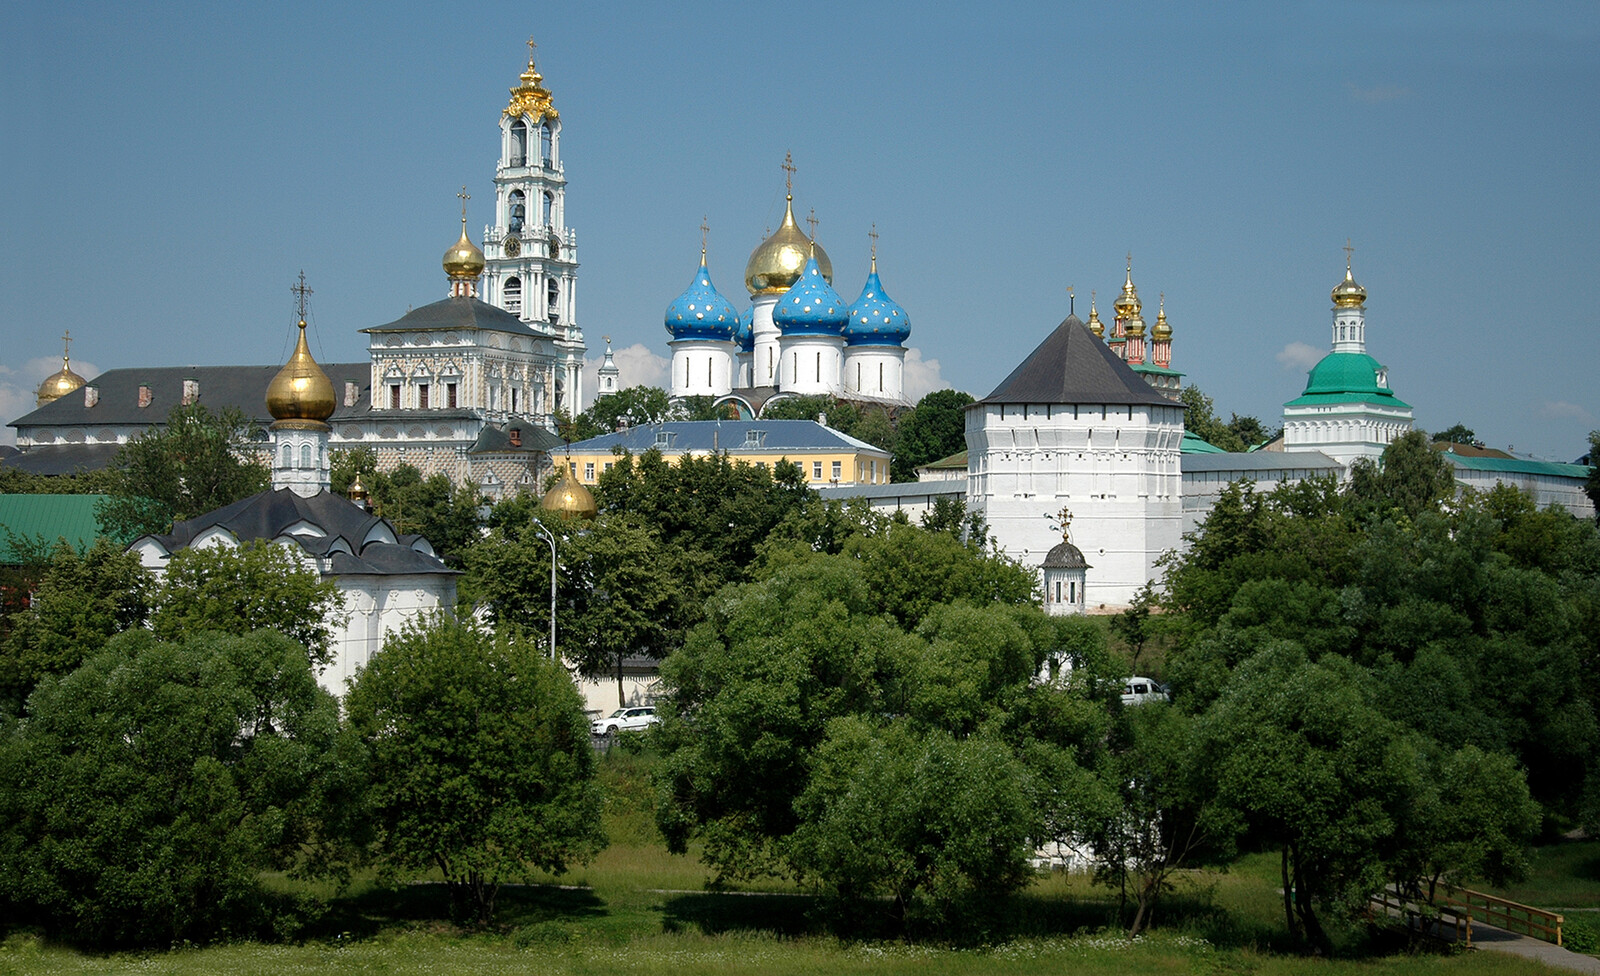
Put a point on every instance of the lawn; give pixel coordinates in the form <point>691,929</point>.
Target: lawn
<point>639,910</point>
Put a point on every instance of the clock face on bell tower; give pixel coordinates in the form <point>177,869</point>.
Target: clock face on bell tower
<point>513,246</point>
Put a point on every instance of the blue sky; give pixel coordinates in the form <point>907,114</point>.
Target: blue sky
<point>165,172</point>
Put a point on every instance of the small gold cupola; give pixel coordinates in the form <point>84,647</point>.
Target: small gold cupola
<point>301,395</point>
<point>1348,294</point>
<point>531,98</point>
<point>59,384</point>
<point>1095,325</point>
<point>1162,329</point>
<point>569,496</point>
<point>463,262</point>
<point>1127,305</point>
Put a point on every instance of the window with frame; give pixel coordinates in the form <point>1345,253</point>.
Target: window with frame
<point>838,468</point>
<point>816,470</point>
<point>450,395</point>
<point>588,471</point>
<point>422,396</point>
<point>394,396</point>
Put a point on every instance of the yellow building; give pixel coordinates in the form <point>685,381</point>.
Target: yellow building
<point>825,456</point>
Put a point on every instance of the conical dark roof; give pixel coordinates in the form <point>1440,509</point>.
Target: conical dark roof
<point>1072,366</point>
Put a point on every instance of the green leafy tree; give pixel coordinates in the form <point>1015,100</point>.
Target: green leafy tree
<point>196,463</point>
<point>935,429</point>
<point>706,408</point>
<point>804,408</point>
<point>260,585</point>
<point>447,515</point>
<point>1249,430</point>
<point>633,406</point>
<point>149,789</point>
<point>1591,487</point>
<point>1410,477</point>
<point>1470,822</point>
<point>1200,418</point>
<point>1455,434</point>
<point>82,601</point>
<point>480,761</point>
<point>1135,626</point>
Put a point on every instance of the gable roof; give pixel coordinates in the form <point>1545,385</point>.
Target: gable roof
<point>1072,366</point>
<point>458,312</point>
<point>221,387</point>
<point>49,517</point>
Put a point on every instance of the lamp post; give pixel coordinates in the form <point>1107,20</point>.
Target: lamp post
<point>551,539</point>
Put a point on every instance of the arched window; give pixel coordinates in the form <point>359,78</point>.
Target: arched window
<point>519,143</point>
<point>284,457</point>
<point>305,456</point>
<point>549,209</point>
<point>519,211</point>
<point>545,144</point>
<point>554,290</point>
<point>513,294</point>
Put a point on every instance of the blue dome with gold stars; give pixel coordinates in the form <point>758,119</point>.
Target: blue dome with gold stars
<point>701,312</point>
<point>875,318</point>
<point>811,307</point>
<point>745,338</point>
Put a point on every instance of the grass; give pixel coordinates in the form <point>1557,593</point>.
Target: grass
<point>638,910</point>
<point>1565,874</point>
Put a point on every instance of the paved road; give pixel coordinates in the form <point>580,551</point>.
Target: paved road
<point>1492,939</point>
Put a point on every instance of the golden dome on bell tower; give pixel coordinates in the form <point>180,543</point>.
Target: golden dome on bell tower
<point>1127,305</point>
<point>301,395</point>
<point>59,384</point>
<point>1348,294</point>
<point>1162,329</point>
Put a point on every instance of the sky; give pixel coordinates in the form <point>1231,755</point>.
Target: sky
<point>166,171</point>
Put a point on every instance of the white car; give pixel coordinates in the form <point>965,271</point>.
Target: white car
<point>1139,691</point>
<point>625,720</point>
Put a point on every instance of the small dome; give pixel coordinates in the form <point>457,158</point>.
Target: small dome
<point>1127,305</point>
<point>301,395</point>
<point>1348,373</point>
<point>569,497</point>
<point>776,262</point>
<point>1163,329</point>
<point>701,312</point>
<point>811,306</point>
<point>59,384</point>
<point>464,261</point>
<point>875,318</point>
<point>745,338</point>
<point>1348,294</point>
<point>1065,556</point>
<point>1095,325</point>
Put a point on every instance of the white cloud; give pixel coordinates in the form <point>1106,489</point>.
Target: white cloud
<point>637,365</point>
<point>921,376</point>
<point>1566,411</point>
<point>1299,355</point>
<point>19,386</point>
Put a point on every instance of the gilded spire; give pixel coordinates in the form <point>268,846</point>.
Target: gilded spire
<point>1127,305</point>
<point>531,98</point>
<point>1348,294</point>
<point>873,233</point>
<point>1162,330</point>
<point>1095,325</point>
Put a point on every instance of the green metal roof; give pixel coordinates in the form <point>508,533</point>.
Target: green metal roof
<point>1194,444</point>
<point>1517,466</point>
<point>1152,368</point>
<point>1346,377</point>
<point>52,516</point>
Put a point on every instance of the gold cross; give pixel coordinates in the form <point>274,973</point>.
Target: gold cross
<point>873,233</point>
<point>531,47</point>
<point>811,222</point>
<point>1066,524</point>
<point>1348,251</point>
<point>1130,262</point>
<point>66,347</point>
<point>788,173</point>
<point>300,292</point>
<point>465,196</point>
<point>704,230</point>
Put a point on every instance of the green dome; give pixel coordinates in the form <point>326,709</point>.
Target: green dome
<point>1346,372</point>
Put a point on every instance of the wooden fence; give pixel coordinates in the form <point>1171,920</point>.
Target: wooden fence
<point>1451,914</point>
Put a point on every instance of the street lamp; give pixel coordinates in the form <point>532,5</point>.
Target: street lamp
<point>545,532</point>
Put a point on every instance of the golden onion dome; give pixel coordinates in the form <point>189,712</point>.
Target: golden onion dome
<point>777,262</point>
<point>1136,326</point>
<point>301,395</point>
<point>1162,329</point>
<point>569,497</point>
<point>1348,294</point>
<point>1127,305</point>
<point>464,261</point>
<point>58,385</point>
<point>1095,325</point>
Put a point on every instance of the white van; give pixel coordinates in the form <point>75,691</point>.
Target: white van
<point>1140,691</point>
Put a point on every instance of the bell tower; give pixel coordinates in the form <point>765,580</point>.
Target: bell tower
<point>530,254</point>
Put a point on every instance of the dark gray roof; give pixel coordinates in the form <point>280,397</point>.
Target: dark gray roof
<point>1072,366</point>
<point>729,436</point>
<point>497,440</point>
<point>1260,461</point>
<point>912,490</point>
<point>221,387</point>
<point>1065,556</point>
<point>57,459</point>
<point>458,313</point>
<point>269,514</point>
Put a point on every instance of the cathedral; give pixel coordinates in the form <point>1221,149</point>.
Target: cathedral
<point>797,337</point>
<point>467,386</point>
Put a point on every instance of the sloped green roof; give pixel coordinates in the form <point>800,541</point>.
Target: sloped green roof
<point>1194,444</point>
<point>1346,377</point>
<point>1517,466</point>
<point>51,516</point>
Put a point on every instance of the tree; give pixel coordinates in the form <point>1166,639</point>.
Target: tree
<point>1133,626</point>
<point>82,601</point>
<point>259,585</point>
<point>935,429</point>
<point>1200,419</point>
<point>1591,487</point>
<point>197,463</point>
<point>445,514</point>
<point>1410,477</point>
<point>480,761</point>
<point>1455,434</point>
<point>148,789</point>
